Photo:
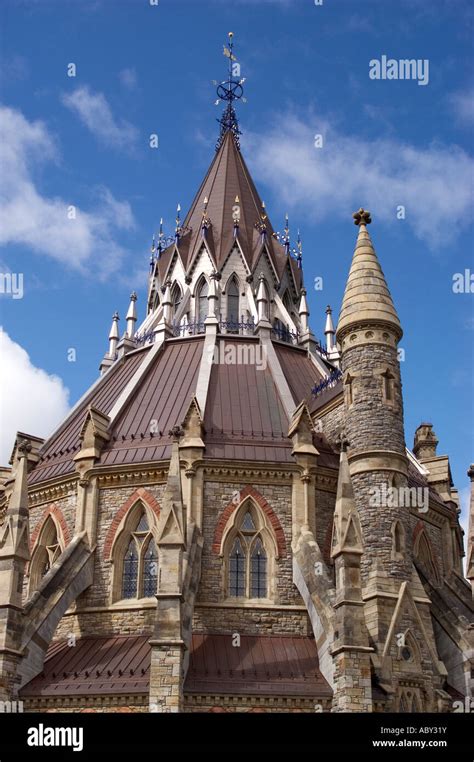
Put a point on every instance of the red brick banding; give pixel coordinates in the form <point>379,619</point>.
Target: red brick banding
<point>266,508</point>
<point>55,511</point>
<point>140,494</point>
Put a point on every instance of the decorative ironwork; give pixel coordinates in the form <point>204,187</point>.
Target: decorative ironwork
<point>284,238</point>
<point>148,337</point>
<point>240,327</point>
<point>190,329</point>
<point>230,90</point>
<point>285,334</point>
<point>326,383</point>
<point>162,243</point>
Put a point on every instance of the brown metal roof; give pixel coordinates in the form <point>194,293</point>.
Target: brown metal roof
<point>300,372</point>
<point>94,666</point>
<point>228,177</point>
<point>162,396</point>
<point>244,417</point>
<point>59,450</point>
<point>271,665</point>
<point>265,665</point>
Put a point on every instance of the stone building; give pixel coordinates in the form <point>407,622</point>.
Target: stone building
<point>229,519</point>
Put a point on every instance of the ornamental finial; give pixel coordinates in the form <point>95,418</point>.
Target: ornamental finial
<point>362,217</point>
<point>230,90</point>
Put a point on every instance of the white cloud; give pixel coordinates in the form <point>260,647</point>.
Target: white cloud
<point>42,223</point>
<point>128,78</point>
<point>463,105</point>
<point>94,111</point>
<point>31,400</point>
<point>432,182</point>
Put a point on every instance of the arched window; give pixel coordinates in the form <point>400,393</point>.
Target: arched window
<point>288,303</point>
<point>232,307</point>
<point>202,303</point>
<point>247,560</point>
<point>176,297</point>
<point>237,570</point>
<point>47,551</point>
<point>424,554</point>
<point>140,561</point>
<point>388,385</point>
<point>398,541</point>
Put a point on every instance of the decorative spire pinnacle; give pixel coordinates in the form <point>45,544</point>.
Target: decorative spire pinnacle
<point>362,217</point>
<point>131,317</point>
<point>303,311</point>
<point>367,300</point>
<point>206,222</point>
<point>299,251</point>
<point>236,215</point>
<point>114,335</point>
<point>230,90</point>
<point>261,225</point>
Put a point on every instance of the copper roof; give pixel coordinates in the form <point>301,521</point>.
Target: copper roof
<point>265,665</point>
<point>60,449</point>
<point>227,178</point>
<point>94,666</point>
<point>162,396</point>
<point>244,417</point>
<point>262,664</point>
<point>300,372</point>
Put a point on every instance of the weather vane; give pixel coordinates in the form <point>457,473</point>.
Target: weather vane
<point>230,90</point>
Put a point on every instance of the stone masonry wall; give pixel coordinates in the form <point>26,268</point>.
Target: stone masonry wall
<point>217,497</point>
<point>110,502</point>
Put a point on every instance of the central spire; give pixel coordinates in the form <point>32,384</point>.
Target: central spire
<point>230,90</point>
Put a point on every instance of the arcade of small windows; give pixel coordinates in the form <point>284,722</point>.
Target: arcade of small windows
<point>139,574</point>
<point>247,563</point>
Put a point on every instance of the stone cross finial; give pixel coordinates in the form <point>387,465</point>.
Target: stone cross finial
<point>362,217</point>
<point>342,441</point>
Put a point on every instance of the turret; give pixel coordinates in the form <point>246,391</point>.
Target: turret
<point>368,332</point>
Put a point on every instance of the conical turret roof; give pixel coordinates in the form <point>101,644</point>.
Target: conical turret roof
<point>367,299</point>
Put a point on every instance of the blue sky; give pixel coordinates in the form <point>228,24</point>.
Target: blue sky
<point>143,69</point>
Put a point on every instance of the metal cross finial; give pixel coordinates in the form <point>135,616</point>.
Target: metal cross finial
<point>230,90</point>
<point>362,217</point>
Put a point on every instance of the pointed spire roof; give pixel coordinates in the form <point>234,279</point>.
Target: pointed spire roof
<point>367,299</point>
<point>227,178</point>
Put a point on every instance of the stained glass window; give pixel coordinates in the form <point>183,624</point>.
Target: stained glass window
<point>150,570</point>
<point>143,524</point>
<point>258,571</point>
<point>247,523</point>
<point>237,570</point>
<point>130,571</point>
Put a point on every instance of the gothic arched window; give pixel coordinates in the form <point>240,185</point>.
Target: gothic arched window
<point>202,302</point>
<point>247,560</point>
<point>288,302</point>
<point>47,551</point>
<point>424,554</point>
<point>140,561</point>
<point>232,307</point>
<point>398,540</point>
<point>176,297</point>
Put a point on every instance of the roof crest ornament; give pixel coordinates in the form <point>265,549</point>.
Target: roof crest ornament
<point>230,90</point>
